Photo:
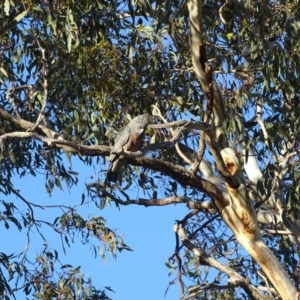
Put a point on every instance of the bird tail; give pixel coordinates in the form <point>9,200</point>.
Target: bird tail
<point>111,176</point>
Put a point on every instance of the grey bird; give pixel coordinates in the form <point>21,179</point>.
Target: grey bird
<point>129,138</point>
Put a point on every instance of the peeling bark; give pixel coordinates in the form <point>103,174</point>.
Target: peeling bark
<point>240,214</point>
<point>241,217</point>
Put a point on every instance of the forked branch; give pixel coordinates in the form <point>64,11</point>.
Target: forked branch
<point>234,278</point>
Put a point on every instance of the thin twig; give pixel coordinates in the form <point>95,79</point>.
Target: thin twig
<point>264,130</point>
<point>158,113</point>
<point>188,216</point>
<point>265,280</point>
<point>221,12</point>
<point>191,236</point>
<point>41,115</point>
<point>203,206</point>
<point>179,262</point>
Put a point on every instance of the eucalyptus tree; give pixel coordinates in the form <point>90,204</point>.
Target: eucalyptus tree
<point>222,79</point>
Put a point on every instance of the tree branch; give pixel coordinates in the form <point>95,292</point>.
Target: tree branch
<point>180,130</point>
<point>203,206</point>
<point>184,177</point>
<point>221,12</point>
<point>234,278</point>
<point>59,143</point>
<point>211,140</point>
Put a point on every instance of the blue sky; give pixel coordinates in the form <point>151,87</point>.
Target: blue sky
<point>148,231</point>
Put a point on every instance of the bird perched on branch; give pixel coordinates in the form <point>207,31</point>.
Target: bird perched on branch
<point>129,138</point>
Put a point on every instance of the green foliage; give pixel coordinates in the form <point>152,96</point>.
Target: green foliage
<point>46,283</point>
<point>88,65</point>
